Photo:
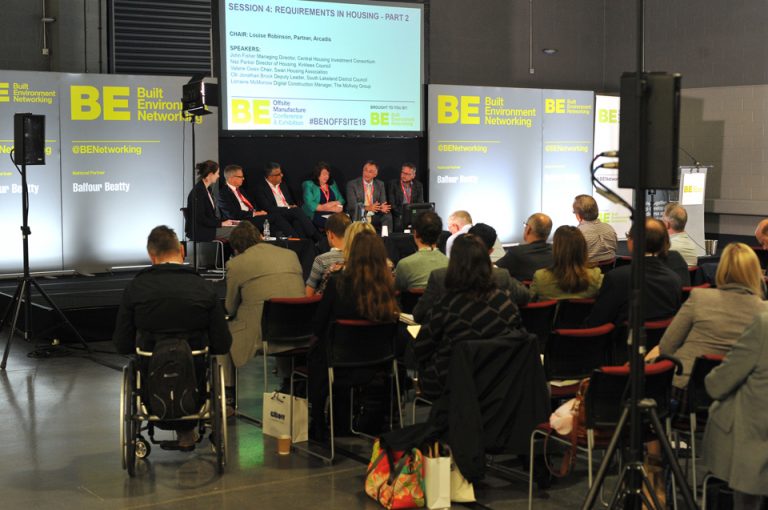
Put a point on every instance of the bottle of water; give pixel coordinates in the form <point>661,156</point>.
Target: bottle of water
<point>266,229</point>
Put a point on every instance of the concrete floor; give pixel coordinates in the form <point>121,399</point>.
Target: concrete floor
<point>59,427</point>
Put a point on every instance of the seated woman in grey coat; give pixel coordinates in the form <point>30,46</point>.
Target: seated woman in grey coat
<point>711,320</point>
<point>736,435</point>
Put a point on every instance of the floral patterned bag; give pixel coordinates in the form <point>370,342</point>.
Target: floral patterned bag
<point>395,478</point>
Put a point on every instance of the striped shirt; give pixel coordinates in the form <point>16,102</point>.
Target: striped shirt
<point>601,240</point>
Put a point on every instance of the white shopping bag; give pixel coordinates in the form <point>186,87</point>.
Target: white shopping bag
<point>437,478</point>
<point>276,417</point>
<point>462,491</point>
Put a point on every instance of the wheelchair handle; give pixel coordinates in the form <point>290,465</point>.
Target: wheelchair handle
<point>149,353</point>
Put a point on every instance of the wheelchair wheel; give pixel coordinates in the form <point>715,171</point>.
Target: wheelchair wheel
<point>129,427</point>
<point>143,448</point>
<point>218,416</point>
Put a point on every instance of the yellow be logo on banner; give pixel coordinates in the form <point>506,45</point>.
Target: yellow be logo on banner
<point>449,111</point>
<point>254,111</point>
<point>554,105</point>
<point>608,116</point>
<point>88,103</point>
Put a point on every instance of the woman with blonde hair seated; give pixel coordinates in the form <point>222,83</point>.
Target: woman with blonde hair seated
<point>569,276</point>
<point>711,320</point>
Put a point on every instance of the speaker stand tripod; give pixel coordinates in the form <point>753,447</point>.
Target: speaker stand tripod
<point>23,294</point>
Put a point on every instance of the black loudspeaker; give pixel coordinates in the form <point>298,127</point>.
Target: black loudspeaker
<point>28,139</point>
<point>661,131</point>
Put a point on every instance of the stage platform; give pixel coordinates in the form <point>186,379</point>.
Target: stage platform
<point>89,302</point>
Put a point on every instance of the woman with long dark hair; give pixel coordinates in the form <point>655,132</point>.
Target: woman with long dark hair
<point>363,289</point>
<point>203,224</point>
<point>472,308</point>
<point>569,276</point>
<point>322,196</point>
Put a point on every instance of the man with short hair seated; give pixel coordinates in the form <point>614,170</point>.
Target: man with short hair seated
<point>413,271</point>
<point>258,272</point>
<point>335,226</point>
<point>525,259</point>
<point>166,300</point>
<point>661,285</point>
<point>459,222</point>
<point>601,237</point>
<point>675,217</point>
<point>235,204</point>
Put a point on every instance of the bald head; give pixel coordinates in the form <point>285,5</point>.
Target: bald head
<point>458,220</point>
<point>761,234</point>
<point>537,227</point>
<point>656,237</point>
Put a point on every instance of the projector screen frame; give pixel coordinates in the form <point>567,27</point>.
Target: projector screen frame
<point>218,58</point>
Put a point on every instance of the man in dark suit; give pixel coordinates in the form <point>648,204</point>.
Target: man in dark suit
<point>523,260</point>
<point>661,286</point>
<point>402,191</point>
<point>235,204</point>
<point>435,289</point>
<point>273,196</point>
<point>369,193</point>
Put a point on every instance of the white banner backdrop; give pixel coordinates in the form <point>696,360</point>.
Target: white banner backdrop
<point>505,153</point>
<point>607,139</point>
<point>118,162</point>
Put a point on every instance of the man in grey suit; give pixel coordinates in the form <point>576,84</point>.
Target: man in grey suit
<point>258,272</point>
<point>435,289</point>
<point>369,193</point>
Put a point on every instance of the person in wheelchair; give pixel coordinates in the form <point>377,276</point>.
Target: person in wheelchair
<point>170,300</point>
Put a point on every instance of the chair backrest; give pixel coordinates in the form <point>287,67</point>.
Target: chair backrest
<point>687,290</point>
<point>654,330</point>
<point>496,395</point>
<point>698,400</point>
<point>575,353</point>
<point>288,320</point>
<point>606,265</point>
<point>409,298</point>
<point>360,343</point>
<point>609,390</point>
<point>572,312</point>
<point>623,260</point>
<point>539,318</point>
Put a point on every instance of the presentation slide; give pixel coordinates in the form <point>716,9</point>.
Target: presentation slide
<point>503,154</point>
<point>294,65</point>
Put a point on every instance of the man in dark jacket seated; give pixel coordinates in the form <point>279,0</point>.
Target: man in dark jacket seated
<point>273,196</point>
<point>661,285</point>
<point>167,300</point>
<point>236,205</point>
<point>535,253</point>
